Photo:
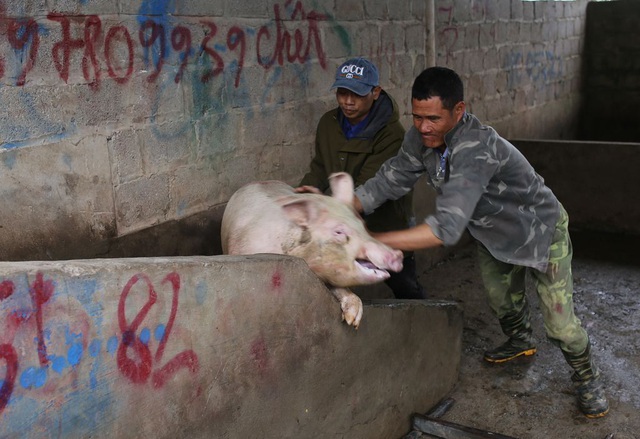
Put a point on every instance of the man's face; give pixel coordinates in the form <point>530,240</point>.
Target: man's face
<point>356,107</point>
<point>433,121</point>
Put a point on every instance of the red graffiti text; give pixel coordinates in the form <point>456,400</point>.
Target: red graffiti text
<point>141,368</point>
<point>115,49</point>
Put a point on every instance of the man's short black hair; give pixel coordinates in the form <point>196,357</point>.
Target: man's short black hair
<point>441,82</point>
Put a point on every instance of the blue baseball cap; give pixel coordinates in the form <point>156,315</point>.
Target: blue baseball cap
<point>358,75</point>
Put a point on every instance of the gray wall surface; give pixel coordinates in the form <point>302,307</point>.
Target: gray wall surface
<point>119,116</point>
<point>520,61</point>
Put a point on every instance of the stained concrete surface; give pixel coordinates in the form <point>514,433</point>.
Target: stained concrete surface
<point>532,398</point>
<point>211,347</point>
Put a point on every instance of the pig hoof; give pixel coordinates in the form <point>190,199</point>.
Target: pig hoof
<point>350,304</point>
<point>351,310</point>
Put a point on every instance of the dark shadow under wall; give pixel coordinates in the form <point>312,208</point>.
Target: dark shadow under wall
<point>198,234</point>
<point>611,72</point>
<point>195,235</point>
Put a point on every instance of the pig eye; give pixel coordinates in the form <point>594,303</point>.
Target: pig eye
<point>340,235</point>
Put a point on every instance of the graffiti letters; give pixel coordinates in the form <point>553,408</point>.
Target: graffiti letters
<point>296,47</point>
<point>539,67</point>
<point>115,47</point>
<point>140,371</point>
<point>40,292</point>
<point>8,354</point>
<point>130,351</point>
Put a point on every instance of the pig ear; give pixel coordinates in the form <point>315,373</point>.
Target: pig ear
<point>301,211</point>
<point>342,187</point>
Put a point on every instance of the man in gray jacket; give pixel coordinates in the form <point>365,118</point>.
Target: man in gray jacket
<point>486,186</point>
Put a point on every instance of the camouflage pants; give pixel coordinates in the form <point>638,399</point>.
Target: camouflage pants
<point>505,286</point>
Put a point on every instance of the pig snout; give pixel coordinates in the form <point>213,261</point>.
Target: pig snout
<point>382,256</point>
<point>394,260</point>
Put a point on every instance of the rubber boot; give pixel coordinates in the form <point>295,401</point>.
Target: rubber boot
<point>588,384</point>
<point>518,328</point>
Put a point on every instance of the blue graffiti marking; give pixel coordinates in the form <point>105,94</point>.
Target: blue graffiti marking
<point>94,348</point>
<point>161,11</point>
<point>74,354</point>
<point>35,377</point>
<point>58,364</point>
<point>112,345</point>
<point>159,332</point>
<point>201,292</point>
<point>37,131</point>
<point>145,336</point>
<point>538,66</point>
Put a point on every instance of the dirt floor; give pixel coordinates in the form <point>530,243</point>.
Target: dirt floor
<point>532,398</point>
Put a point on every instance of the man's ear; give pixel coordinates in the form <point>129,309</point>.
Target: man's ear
<point>459,109</point>
<point>376,92</point>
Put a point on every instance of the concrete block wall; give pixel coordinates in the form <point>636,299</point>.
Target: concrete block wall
<point>520,61</point>
<point>117,117</point>
<point>211,347</point>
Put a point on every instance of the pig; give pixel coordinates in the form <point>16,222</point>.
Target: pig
<point>325,231</point>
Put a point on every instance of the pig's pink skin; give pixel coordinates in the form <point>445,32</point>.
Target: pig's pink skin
<point>269,217</point>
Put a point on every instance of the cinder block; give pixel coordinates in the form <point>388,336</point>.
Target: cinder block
<point>75,7</point>
<point>349,10</point>
<point>206,8</point>
<point>126,160</point>
<point>248,8</point>
<point>194,189</point>
<point>165,146</point>
<point>377,10</point>
<point>25,8</point>
<point>141,203</point>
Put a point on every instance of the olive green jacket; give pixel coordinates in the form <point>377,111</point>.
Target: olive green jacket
<point>361,157</point>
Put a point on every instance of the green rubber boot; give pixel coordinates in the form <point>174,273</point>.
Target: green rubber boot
<point>588,384</point>
<point>518,328</point>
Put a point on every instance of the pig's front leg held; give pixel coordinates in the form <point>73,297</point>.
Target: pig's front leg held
<point>351,306</point>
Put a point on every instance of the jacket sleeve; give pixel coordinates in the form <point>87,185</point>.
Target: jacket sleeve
<point>396,177</point>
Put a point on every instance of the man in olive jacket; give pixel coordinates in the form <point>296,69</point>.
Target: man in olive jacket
<point>357,137</point>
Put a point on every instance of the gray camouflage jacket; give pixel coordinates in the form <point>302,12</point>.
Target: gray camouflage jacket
<point>491,190</point>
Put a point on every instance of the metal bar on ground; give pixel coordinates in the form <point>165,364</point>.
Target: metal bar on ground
<point>449,430</point>
<point>441,408</point>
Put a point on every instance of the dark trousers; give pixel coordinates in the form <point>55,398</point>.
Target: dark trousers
<point>405,284</point>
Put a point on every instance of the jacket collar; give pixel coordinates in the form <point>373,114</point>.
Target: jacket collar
<point>448,138</point>
<point>383,112</point>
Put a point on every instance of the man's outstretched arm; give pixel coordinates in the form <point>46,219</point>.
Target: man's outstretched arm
<point>415,238</point>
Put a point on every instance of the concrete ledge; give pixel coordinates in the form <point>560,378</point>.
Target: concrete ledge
<point>211,347</point>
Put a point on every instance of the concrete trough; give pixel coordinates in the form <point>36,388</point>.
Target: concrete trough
<point>220,346</point>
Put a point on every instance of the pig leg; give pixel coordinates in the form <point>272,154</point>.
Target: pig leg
<point>351,305</point>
